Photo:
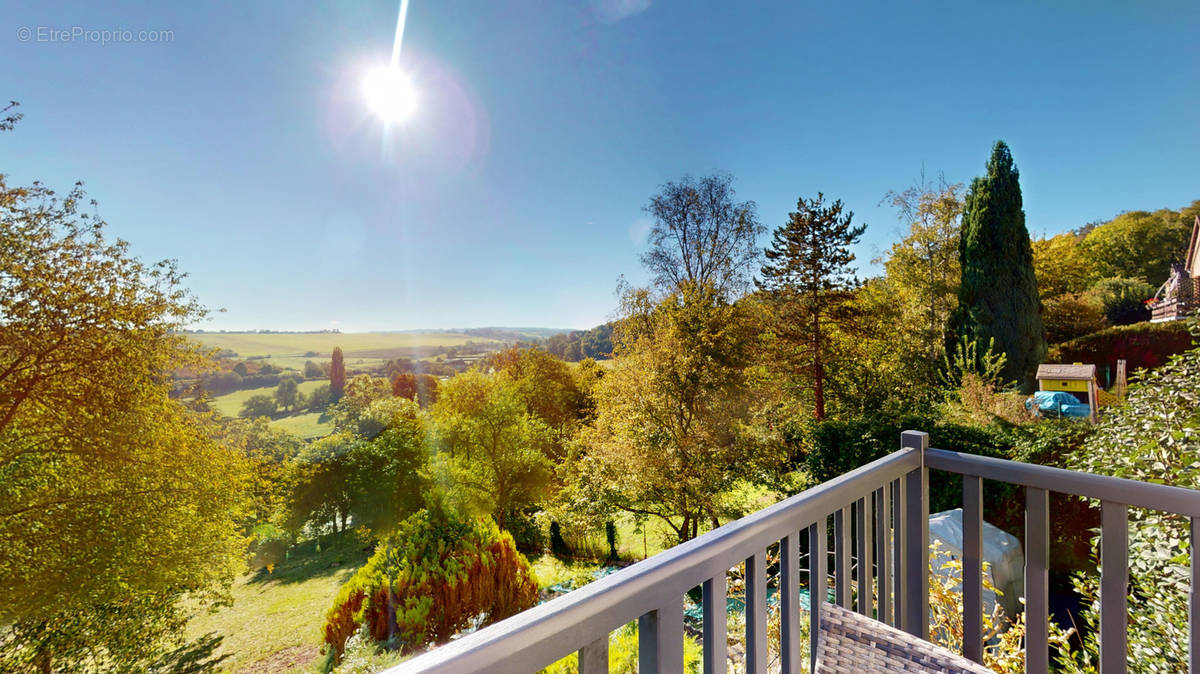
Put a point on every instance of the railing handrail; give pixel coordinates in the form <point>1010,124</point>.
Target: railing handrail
<point>535,638</point>
<point>1177,500</point>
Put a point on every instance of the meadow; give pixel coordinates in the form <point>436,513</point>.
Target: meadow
<point>230,404</point>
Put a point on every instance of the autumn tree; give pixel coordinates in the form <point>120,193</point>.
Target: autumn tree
<point>923,265</point>
<point>702,235</point>
<point>493,451</point>
<point>998,296</point>
<point>809,280</point>
<point>546,386</point>
<point>422,388</point>
<point>670,436</point>
<point>116,504</point>
<point>337,373</point>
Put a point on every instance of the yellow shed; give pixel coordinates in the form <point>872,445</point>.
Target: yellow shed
<point>1077,379</point>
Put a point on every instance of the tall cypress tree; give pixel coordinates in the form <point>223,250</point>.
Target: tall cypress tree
<point>337,374</point>
<point>998,298</point>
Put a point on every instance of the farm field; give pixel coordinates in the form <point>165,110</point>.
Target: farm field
<point>231,403</point>
<point>361,349</point>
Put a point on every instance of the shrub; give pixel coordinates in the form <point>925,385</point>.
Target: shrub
<point>1143,345</point>
<point>1072,315</point>
<point>429,580</point>
<point>1154,438</point>
<point>1124,299</point>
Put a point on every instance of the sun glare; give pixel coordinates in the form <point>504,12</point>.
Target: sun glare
<point>389,93</point>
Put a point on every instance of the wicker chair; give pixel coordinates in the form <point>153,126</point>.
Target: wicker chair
<point>852,643</point>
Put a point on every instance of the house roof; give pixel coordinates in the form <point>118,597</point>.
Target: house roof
<point>1068,372</point>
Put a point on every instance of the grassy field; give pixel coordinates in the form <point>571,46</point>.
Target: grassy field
<point>361,349</point>
<point>275,620</point>
<point>306,426</point>
<point>231,403</point>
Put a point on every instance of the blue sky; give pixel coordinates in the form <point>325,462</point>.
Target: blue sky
<point>242,145</point>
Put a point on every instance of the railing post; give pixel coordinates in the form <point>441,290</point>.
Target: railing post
<point>841,557</point>
<point>756,614</point>
<point>593,658</point>
<point>816,588</point>
<point>883,543</point>
<point>1194,600</point>
<point>863,540</point>
<point>972,568</point>
<point>660,640</point>
<point>899,547</point>
<point>713,598</point>
<point>1114,581</point>
<point>1037,580</point>
<point>916,521</point>
<point>789,603</point>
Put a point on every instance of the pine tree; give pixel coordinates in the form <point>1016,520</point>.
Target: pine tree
<point>337,374</point>
<point>998,297</point>
<point>809,279</point>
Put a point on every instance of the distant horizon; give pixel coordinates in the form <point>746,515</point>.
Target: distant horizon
<point>458,329</point>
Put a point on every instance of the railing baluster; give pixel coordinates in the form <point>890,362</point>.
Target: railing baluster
<point>916,522</point>
<point>972,568</point>
<point>593,658</point>
<point>862,517</point>
<point>660,640</point>
<point>899,550</point>
<point>883,543</point>
<point>1194,600</point>
<point>1037,581</point>
<point>713,599</point>
<point>816,587</point>
<point>789,603</point>
<point>841,557</point>
<point>1114,579</point>
<point>756,614</point>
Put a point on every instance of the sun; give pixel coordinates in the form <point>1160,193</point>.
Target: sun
<point>390,94</point>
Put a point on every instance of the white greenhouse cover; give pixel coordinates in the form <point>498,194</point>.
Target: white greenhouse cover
<point>1003,560</point>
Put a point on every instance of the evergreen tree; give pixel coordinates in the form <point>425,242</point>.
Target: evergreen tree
<point>998,297</point>
<point>809,278</point>
<point>337,374</point>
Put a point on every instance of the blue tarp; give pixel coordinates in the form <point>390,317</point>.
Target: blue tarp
<point>1058,404</point>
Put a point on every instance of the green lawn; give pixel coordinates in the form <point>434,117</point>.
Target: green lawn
<point>231,403</point>
<point>275,621</point>
<point>306,426</point>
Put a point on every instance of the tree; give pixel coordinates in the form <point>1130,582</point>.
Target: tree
<point>1062,265</point>
<point>493,451</point>
<point>701,235</point>
<point>312,370</point>
<point>809,280</point>
<point>259,405</point>
<point>1139,244</point>
<point>371,470</point>
<point>670,437</point>
<point>287,394</point>
<point>116,504</point>
<point>422,388</point>
<point>547,387</point>
<point>923,266</point>
<point>241,369</point>
<point>337,373</point>
<point>998,296</point>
